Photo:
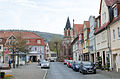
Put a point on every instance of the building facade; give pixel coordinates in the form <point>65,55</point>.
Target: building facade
<point>35,43</point>
<point>66,48</point>
<point>77,28</point>
<point>115,36</point>
<point>92,39</point>
<point>86,31</point>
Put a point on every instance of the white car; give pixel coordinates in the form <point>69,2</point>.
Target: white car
<point>45,64</point>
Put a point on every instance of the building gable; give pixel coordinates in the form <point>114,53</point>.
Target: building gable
<point>104,13</point>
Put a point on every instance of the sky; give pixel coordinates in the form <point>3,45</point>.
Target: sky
<point>45,15</point>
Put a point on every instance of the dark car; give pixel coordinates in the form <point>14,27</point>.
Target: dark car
<point>87,67</point>
<point>76,65</point>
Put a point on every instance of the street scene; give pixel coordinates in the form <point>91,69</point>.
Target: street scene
<point>59,39</point>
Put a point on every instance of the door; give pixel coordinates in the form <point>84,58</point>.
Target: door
<point>103,58</point>
<point>114,62</point>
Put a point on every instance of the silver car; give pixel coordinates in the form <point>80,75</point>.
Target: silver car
<point>45,64</point>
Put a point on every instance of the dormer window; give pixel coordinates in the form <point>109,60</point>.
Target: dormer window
<point>38,41</point>
<point>115,12</point>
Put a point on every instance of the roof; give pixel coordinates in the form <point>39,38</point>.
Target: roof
<point>78,27</point>
<point>68,24</point>
<point>2,40</point>
<point>87,23</point>
<point>26,35</point>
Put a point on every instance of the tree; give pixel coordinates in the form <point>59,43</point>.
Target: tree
<point>17,45</point>
<point>54,44</point>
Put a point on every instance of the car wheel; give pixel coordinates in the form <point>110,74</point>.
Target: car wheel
<point>94,72</point>
<point>83,73</point>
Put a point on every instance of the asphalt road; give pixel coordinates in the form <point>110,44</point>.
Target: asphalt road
<point>60,71</point>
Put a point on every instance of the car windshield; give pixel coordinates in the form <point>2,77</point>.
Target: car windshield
<point>44,62</point>
<point>77,63</point>
<point>88,64</point>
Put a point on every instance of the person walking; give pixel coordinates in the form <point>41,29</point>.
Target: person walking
<point>9,63</point>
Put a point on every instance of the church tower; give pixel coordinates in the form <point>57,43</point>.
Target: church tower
<point>67,28</point>
<point>67,48</point>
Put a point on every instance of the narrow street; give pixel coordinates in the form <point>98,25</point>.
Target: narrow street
<point>61,71</point>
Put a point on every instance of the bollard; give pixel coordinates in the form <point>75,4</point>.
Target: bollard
<point>2,74</point>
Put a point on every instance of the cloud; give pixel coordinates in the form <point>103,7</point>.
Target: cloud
<point>45,15</point>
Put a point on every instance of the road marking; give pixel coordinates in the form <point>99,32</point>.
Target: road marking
<point>45,74</point>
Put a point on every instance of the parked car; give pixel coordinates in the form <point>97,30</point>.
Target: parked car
<point>69,63</point>
<point>65,61</point>
<point>76,65</point>
<point>87,67</point>
<point>45,64</point>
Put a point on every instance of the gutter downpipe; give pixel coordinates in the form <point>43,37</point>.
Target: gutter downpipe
<point>109,46</point>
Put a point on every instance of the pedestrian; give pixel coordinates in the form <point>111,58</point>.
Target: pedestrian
<point>10,63</point>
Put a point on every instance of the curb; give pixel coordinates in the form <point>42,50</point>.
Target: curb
<point>45,74</point>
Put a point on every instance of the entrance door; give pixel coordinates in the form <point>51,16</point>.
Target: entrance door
<point>92,57</point>
<point>34,59</point>
<point>114,62</point>
<point>104,58</point>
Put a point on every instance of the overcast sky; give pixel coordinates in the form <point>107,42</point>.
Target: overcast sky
<point>45,15</point>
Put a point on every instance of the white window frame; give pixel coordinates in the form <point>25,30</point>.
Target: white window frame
<point>115,12</point>
<point>38,41</point>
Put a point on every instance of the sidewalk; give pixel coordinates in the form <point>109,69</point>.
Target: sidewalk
<point>31,71</point>
<point>110,74</point>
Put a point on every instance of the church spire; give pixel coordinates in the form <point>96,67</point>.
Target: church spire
<point>68,24</point>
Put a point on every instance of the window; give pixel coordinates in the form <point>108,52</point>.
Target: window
<point>104,36</point>
<point>38,41</point>
<point>115,12</point>
<point>104,17</point>
<point>113,34</point>
<point>27,41</point>
<point>118,32</point>
<point>0,47</point>
<point>35,48</point>
<point>0,40</point>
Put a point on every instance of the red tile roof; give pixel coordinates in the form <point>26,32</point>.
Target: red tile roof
<point>6,34</point>
<point>26,35</point>
<point>78,27</point>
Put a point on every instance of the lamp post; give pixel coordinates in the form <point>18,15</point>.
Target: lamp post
<point>56,46</point>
